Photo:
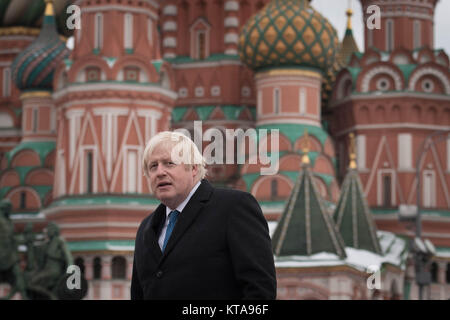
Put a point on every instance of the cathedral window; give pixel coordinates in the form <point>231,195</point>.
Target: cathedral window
<point>150,30</point>
<point>405,151</point>
<point>427,85</point>
<point>35,119</point>
<point>23,200</point>
<point>93,74</point>
<point>131,74</point>
<point>273,189</point>
<point>89,171</point>
<point>389,35</point>
<point>128,32</point>
<point>98,33</point>
<point>417,34</point>
<point>387,191</point>
<point>97,268</point>
<point>434,272</point>
<point>276,100</point>
<point>118,268</point>
<point>302,101</point>
<point>429,189</point>
<point>200,38</point>
<point>6,82</point>
<point>447,274</point>
<point>201,45</point>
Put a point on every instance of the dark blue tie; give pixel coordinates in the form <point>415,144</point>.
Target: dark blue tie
<point>173,215</point>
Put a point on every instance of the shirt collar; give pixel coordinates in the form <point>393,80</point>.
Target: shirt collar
<point>184,203</point>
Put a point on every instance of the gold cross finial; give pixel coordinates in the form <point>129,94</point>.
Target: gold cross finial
<point>352,151</point>
<point>306,145</point>
<point>349,13</point>
<point>49,8</point>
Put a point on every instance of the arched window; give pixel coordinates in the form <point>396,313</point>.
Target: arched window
<point>6,82</point>
<point>80,263</point>
<point>434,272</point>
<point>98,35</point>
<point>200,39</point>
<point>23,200</point>
<point>276,100</point>
<point>128,31</point>
<point>389,35</point>
<point>387,191</point>
<point>447,274</point>
<point>417,34</point>
<point>274,189</point>
<point>118,266</point>
<point>97,268</point>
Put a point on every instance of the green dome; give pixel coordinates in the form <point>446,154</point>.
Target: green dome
<point>288,33</point>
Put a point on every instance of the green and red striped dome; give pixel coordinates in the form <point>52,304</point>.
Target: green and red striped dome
<point>33,68</point>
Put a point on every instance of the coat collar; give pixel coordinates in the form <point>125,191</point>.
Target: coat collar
<point>185,219</point>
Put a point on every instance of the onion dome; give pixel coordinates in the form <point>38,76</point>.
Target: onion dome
<point>25,16</point>
<point>33,68</point>
<point>287,33</point>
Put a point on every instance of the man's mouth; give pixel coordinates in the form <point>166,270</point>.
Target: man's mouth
<point>163,184</point>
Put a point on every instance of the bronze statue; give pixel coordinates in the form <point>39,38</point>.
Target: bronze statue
<point>10,271</point>
<point>44,276</point>
<point>44,280</point>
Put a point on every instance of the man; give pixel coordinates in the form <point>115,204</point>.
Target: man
<point>200,242</point>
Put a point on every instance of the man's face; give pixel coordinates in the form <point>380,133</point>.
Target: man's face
<point>170,182</point>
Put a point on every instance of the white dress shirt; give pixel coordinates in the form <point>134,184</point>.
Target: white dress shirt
<point>179,209</point>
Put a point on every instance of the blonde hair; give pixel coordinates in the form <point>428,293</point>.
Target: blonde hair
<point>182,148</point>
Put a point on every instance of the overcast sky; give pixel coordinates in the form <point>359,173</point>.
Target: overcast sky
<point>334,11</point>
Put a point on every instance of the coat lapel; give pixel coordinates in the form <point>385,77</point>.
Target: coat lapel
<point>152,231</point>
<point>190,212</point>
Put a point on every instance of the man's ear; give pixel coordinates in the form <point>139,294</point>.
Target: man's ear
<point>194,169</point>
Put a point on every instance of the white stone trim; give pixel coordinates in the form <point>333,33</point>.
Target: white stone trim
<point>170,42</point>
<point>399,125</point>
<point>232,52</point>
<point>232,5</point>
<point>231,22</point>
<point>125,101</point>
<point>169,55</point>
<point>232,38</point>
<point>170,10</point>
<point>114,86</point>
<point>121,8</point>
<point>423,71</point>
<point>170,26</point>
<point>378,70</point>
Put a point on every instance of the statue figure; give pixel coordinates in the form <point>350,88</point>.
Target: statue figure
<point>44,281</point>
<point>10,271</point>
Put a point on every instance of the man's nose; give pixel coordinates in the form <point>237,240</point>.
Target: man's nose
<point>160,170</point>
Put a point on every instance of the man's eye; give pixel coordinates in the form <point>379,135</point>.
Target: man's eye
<point>153,166</point>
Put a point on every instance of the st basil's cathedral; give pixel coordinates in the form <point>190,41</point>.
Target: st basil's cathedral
<point>364,133</point>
